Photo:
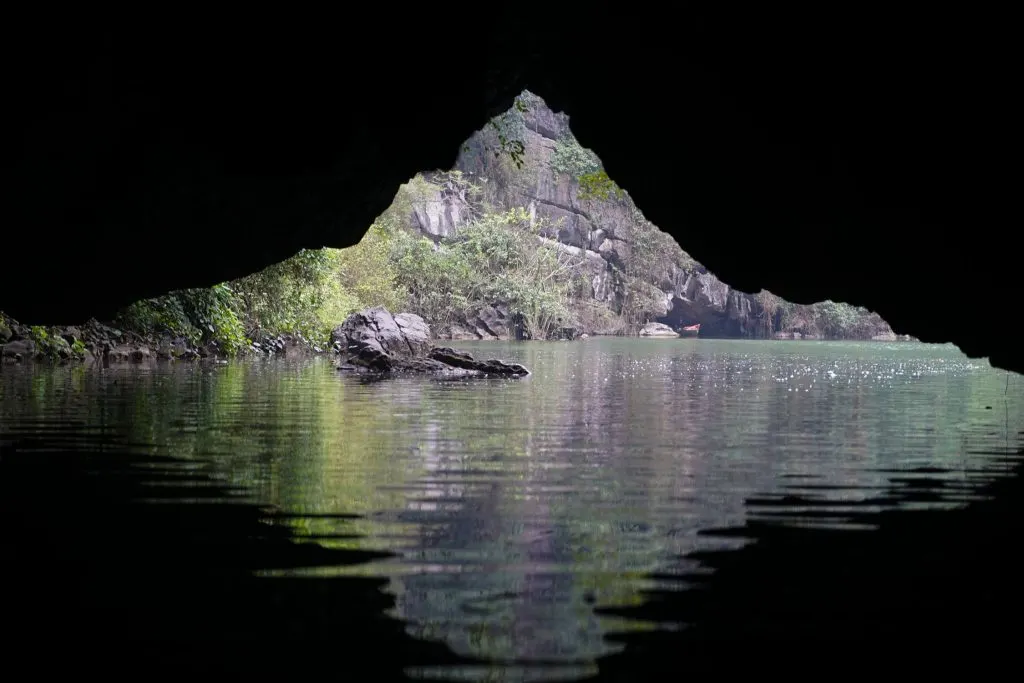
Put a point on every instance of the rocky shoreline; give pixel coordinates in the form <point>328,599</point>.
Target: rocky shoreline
<point>104,344</point>
<point>372,341</point>
<point>101,343</point>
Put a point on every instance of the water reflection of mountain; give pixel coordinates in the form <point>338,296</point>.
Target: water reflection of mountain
<point>614,461</point>
<point>516,507</point>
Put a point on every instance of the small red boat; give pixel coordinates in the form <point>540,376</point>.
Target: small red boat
<point>690,330</point>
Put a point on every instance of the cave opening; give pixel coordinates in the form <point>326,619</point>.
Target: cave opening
<point>860,180</point>
<point>858,162</point>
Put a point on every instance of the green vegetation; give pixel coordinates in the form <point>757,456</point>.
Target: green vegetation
<point>51,346</point>
<point>838,320</point>
<point>498,258</point>
<point>825,319</point>
<point>835,318</point>
<point>197,315</point>
<point>571,158</point>
<point>302,296</point>
<point>598,186</point>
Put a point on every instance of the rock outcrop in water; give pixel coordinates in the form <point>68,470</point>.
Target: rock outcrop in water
<point>657,330</point>
<point>375,341</point>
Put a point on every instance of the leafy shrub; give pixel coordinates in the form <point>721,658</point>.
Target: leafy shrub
<point>571,158</point>
<point>836,319</point>
<point>301,295</point>
<point>598,186</point>
<point>49,344</point>
<point>162,315</point>
<point>497,258</point>
<point>199,315</point>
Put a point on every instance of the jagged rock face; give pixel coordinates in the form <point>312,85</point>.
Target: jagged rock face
<point>439,214</point>
<point>598,233</point>
<point>601,231</point>
<point>596,268</point>
<point>489,322</point>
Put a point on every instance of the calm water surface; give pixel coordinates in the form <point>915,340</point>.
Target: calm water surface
<point>516,507</point>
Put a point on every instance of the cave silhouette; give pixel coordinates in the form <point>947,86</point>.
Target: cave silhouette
<point>854,158</point>
<point>858,158</point>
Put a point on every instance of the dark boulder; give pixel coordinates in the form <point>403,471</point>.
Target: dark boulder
<point>406,335</point>
<point>375,341</point>
<point>18,350</point>
<point>127,353</point>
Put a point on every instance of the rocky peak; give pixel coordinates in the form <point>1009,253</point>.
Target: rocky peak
<point>540,119</point>
<point>607,229</point>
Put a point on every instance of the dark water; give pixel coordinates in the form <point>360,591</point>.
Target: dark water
<point>512,509</point>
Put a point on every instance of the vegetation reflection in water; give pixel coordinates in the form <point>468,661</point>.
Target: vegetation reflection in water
<point>516,506</point>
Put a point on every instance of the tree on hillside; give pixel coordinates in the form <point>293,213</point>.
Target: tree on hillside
<point>367,271</point>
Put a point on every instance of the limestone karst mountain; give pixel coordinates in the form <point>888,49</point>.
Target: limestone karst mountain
<point>529,158</point>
